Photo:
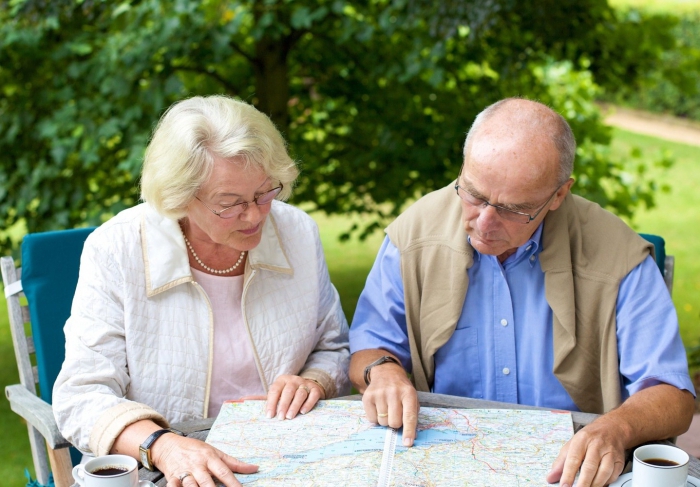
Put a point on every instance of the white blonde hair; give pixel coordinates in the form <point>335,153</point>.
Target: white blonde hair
<point>192,134</point>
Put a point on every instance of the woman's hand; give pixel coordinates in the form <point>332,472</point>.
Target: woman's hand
<point>187,462</point>
<point>290,395</point>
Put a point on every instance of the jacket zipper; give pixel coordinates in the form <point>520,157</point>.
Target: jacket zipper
<point>250,335</point>
<point>210,358</point>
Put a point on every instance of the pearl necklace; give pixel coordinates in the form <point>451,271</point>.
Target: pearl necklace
<point>213,271</point>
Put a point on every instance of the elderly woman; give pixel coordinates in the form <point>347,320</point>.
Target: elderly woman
<point>213,289</point>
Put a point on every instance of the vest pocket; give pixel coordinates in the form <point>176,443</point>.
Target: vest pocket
<point>457,365</point>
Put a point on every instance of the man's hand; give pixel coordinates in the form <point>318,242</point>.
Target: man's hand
<point>655,413</point>
<point>390,399</point>
<point>598,450</point>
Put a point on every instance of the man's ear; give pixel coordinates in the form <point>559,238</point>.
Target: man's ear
<point>561,194</point>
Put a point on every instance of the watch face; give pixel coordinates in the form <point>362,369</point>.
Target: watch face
<point>144,458</point>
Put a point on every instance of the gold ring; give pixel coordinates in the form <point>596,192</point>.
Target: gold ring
<point>382,415</point>
<point>184,476</point>
<point>308,391</point>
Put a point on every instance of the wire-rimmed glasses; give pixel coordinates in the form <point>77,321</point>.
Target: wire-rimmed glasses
<point>235,210</point>
<point>503,212</point>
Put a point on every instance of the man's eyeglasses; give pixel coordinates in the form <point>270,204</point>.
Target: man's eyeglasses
<point>235,210</point>
<point>505,213</point>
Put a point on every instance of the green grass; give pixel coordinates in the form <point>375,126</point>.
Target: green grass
<point>676,218</point>
<point>348,262</point>
<point>659,6</point>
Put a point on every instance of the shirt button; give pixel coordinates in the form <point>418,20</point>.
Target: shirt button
<point>504,322</point>
<point>532,258</point>
<point>506,371</point>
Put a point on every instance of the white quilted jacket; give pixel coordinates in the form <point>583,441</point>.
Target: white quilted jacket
<point>139,338</point>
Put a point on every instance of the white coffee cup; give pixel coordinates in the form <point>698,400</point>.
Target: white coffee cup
<point>656,465</point>
<point>109,471</point>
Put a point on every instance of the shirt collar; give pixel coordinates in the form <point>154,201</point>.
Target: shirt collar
<point>165,256</point>
<point>528,250</point>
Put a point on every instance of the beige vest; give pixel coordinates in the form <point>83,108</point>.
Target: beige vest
<point>586,252</point>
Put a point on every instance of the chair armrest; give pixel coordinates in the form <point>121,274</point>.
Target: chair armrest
<point>37,413</point>
<point>669,265</point>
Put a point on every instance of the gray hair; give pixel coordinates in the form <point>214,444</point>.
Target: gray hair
<point>545,119</point>
<point>193,133</point>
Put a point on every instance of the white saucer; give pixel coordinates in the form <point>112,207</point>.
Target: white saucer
<point>626,481</point>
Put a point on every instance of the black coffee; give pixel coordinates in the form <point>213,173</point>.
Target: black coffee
<point>661,462</point>
<point>109,470</point>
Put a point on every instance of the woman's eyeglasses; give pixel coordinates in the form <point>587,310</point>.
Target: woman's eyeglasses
<point>235,210</point>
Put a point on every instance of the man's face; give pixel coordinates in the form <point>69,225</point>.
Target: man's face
<point>520,175</point>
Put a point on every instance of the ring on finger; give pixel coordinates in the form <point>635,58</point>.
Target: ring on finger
<point>308,391</point>
<point>382,415</point>
<point>184,476</point>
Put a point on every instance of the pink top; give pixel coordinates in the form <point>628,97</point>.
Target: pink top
<point>234,373</point>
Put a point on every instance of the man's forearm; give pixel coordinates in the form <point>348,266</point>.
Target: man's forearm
<point>655,413</point>
<point>359,361</point>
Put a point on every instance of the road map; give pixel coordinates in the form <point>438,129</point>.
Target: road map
<point>334,444</point>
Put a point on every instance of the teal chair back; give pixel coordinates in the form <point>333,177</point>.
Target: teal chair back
<point>664,262</point>
<point>50,264</point>
<point>659,248</point>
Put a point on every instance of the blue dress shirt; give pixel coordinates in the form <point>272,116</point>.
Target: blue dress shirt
<point>502,348</point>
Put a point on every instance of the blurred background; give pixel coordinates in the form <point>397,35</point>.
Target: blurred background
<point>374,98</point>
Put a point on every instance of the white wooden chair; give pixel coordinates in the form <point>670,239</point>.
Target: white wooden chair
<point>44,437</point>
<point>50,262</point>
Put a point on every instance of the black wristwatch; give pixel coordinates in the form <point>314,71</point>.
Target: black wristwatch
<point>145,448</point>
<point>380,361</point>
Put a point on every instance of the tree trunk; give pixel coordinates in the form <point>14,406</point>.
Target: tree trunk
<point>271,79</point>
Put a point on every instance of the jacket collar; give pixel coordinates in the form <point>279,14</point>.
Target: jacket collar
<point>165,258</point>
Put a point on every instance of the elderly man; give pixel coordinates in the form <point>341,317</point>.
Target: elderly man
<point>506,287</point>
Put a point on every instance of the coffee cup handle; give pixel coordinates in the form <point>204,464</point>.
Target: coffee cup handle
<point>79,474</point>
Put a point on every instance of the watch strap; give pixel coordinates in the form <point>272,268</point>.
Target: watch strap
<point>145,447</point>
<point>381,360</point>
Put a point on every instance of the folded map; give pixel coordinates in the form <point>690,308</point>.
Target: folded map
<point>334,444</point>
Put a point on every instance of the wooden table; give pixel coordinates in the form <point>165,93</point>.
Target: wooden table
<point>200,428</point>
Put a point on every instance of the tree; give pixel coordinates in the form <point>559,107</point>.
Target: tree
<point>373,96</point>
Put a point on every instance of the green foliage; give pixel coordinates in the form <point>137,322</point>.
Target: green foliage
<point>674,217</point>
<point>694,357</point>
<point>374,96</point>
<point>673,84</point>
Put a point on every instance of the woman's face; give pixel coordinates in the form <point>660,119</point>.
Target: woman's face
<point>230,183</point>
